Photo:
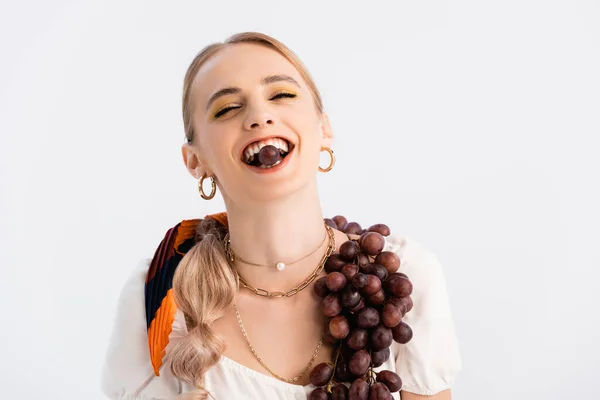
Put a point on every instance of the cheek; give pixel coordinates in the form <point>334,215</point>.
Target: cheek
<point>308,123</point>
<point>217,147</point>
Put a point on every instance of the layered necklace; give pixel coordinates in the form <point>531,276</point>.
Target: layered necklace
<point>278,294</point>
<point>279,265</point>
<point>291,292</point>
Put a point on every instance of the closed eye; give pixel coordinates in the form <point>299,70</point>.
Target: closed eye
<point>280,95</point>
<point>284,94</point>
<point>225,110</point>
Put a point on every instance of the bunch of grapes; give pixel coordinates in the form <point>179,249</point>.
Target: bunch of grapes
<point>365,299</point>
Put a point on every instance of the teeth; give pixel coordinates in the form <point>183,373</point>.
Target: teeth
<point>254,148</point>
<point>265,167</point>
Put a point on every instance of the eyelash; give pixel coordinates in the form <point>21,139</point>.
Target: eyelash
<point>277,96</point>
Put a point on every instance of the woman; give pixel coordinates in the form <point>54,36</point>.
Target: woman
<point>255,128</point>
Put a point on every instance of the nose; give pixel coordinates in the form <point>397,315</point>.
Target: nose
<point>258,117</point>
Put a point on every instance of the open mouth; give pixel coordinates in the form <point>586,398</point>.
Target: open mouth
<point>267,153</point>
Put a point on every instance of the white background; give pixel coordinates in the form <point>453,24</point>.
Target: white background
<point>470,126</point>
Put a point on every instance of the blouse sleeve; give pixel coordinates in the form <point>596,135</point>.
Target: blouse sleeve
<point>127,372</point>
<point>430,361</point>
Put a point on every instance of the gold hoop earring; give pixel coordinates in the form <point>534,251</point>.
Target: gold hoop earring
<point>213,188</point>
<point>331,163</point>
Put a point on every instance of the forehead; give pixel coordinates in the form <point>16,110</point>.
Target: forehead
<point>241,65</point>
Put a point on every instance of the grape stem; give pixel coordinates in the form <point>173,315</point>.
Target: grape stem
<point>331,380</point>
<point>372,376</point>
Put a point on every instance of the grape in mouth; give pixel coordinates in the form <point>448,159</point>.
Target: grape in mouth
<point>268,157</point>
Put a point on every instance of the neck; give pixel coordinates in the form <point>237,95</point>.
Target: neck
<point>282,231</point>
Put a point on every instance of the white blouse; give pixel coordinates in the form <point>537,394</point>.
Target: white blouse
<point>427,364</point>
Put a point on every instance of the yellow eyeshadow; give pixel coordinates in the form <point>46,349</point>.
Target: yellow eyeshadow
<point>225,101</point>
<point>284,90</point>
<point>218,105</point>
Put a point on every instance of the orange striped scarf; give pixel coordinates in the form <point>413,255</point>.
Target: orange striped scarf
<point>159,301</point>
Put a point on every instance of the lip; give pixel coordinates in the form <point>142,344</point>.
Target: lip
<point>272,170</point>
<point>241,155</point>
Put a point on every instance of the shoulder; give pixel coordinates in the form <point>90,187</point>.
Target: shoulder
<point>147,322</point>
<point>430,361</point>
<point>416,260</point>
<point>425,271</point>
<point>128,371</point>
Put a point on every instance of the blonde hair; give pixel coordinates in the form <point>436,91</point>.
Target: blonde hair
<point>204,283</point>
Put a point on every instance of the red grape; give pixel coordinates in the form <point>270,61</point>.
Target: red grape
<point>339,392</point>
<point>335,281</point>
<point>320,287</point>
<point>380,357</point>
<point>391,315</point>
<point>352,228</point>
<point>402,333</point>
<point>358,339</point>
<point>398,303</point>
<point>327,338</point>
<point>269,155</point>
<point>390,379</point>
<point>349,250</point>
<point>359,363</point>
<point>382,229</point>
<point>340,221</point>
<point>373,285</point>
<point>330,222</point>
<point>359,390</point>
<point>334,263</point>
<point>367,318</point>
<point>408,303</point>
<point>372,243</point>
<point>398,285</point>
<point>377,299</point>
<point>380,271</point>
<point>350,297</point>
<point>369,269</point>
<point>381,338</point>
<point>331,305</point>
<point>349,270</point>
<point>321,374</point>
<point>379,392</point>
<point>363,260</point>
<point>362,233</point>
<point>318,394</point>
<point>359,280</point>
<point>339,327</point>
<point>389,260</point>
<point>359,306</point>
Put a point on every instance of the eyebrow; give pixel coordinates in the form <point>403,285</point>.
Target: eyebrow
<point>264,81</point>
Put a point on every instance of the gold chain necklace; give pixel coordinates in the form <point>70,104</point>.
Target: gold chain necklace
<point>305,283</point>
<point>292,380</point>
<point>279,265</point>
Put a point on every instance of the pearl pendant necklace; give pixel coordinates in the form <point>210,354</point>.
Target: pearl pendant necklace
<point>280,266</point>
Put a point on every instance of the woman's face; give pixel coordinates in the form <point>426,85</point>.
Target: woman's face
<point>242,96</point>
